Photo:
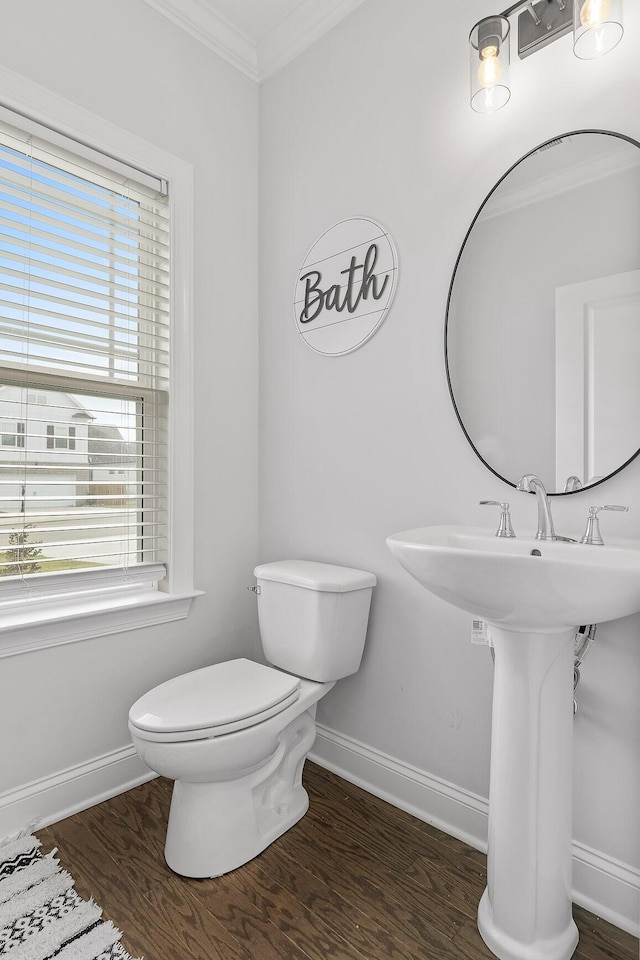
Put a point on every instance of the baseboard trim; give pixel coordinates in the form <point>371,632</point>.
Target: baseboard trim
<point>445,806</point>
<point>52,798</point>
<point>601,884</point>
<point>607,887</point>
<point>604,886</point>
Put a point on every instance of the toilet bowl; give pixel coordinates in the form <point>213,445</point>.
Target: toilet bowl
<point>234,736</point>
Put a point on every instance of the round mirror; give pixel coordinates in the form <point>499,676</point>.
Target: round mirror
<point>542,338</point>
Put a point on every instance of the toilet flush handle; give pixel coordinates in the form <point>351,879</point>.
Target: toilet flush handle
<point>255,589</point>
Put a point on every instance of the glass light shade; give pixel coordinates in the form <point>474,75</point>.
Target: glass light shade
<point>489,59</point>
<point>597,27</point>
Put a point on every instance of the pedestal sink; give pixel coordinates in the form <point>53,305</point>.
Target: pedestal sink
<point>533,594</point>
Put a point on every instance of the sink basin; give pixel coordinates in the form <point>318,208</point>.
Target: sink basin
<point>533,593</point>
<point>523,583</point>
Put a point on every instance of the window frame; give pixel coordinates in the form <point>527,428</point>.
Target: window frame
<point>78,605</point>
<point>15,437</point>
<point>60,437</point>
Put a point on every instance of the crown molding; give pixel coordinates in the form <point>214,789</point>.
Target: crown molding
<point>289,38</point>
<point>298,31</point>
<point>213,30</point>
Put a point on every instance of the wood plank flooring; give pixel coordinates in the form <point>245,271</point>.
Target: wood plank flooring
<point>356,879</point>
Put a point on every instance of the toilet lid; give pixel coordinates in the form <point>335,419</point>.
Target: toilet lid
<point>214,700</point>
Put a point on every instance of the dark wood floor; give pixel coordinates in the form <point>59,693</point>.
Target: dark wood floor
<point>356,879</point>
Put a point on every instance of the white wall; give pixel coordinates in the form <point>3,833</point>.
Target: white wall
<point>65,708</point>
<point>374,120</point>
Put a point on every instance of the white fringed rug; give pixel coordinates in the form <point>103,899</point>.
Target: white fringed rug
<point>41,915</point>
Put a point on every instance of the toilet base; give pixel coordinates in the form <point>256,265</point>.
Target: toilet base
<point>216,827</point>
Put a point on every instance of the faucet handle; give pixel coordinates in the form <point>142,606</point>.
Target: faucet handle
<point>592,533</point>
<point>505,529</point>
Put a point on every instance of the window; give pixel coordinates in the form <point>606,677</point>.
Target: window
<point>60,438</point>
<point>84,282</point>
<point>87,526</point>
<point>12,433</point>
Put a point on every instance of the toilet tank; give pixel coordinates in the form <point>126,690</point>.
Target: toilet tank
<point>313,617</point>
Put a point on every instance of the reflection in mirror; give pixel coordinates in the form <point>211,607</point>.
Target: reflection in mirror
<point>543,319</point>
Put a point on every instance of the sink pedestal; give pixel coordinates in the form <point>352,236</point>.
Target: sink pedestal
<point>525,911</point>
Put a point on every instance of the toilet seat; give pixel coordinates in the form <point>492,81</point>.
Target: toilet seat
<point>213,701</point>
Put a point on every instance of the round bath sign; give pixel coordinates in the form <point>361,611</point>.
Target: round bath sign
<point>345,286</point>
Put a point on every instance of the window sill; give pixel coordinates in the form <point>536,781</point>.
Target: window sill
<point>35,621</point>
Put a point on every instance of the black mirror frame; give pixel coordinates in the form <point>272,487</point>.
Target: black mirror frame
<point>571,133</point>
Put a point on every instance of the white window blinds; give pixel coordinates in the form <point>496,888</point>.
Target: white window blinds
<point>84,333</point>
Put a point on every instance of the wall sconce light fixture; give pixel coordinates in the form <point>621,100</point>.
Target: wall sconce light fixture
<point>597,29</point>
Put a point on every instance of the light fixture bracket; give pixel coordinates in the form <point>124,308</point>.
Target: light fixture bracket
<point>553,19</point>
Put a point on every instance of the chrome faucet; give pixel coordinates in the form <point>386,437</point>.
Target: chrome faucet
<point>532,484</point>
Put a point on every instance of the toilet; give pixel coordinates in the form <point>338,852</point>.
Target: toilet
<point>234,736</point>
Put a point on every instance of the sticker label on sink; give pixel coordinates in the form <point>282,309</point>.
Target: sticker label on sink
<point>480,632</point>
